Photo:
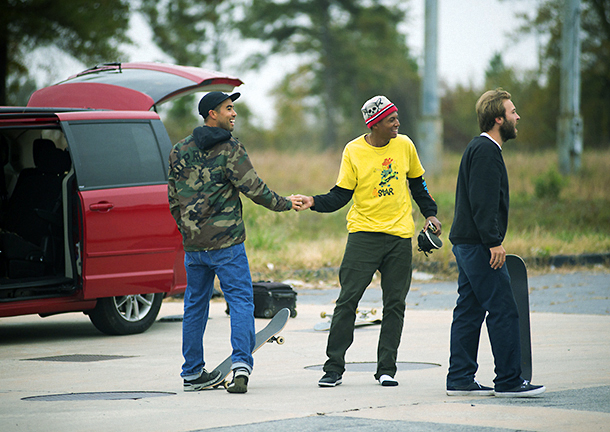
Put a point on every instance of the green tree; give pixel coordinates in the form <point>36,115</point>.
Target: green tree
<point>536,105</point>
<point>459,117</point>
<point>595,61</point>
<point>193,33</point>
<point>293,109</point>
<point>497,74</point>
<point>88,30</point>
<point>351,50</point>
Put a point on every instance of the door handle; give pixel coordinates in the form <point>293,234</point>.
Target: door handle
<point>101,206</point>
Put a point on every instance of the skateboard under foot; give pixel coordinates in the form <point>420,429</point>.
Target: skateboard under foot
<point>266,335</point>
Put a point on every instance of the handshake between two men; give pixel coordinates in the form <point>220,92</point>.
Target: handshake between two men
<point>301,202</point>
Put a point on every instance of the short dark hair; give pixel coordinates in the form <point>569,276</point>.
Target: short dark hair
<point>491,106</point>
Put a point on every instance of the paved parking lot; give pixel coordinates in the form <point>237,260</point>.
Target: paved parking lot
<point>59,373</point>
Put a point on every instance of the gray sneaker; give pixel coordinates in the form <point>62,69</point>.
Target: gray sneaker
<point>330,379</point>
<point>239,384</point>
<point>206,380</point>
<point>524,390</point>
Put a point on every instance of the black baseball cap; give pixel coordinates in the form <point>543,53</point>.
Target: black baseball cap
<point>213,99</point>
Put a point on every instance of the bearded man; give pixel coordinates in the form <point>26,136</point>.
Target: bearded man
<point>484,289</point>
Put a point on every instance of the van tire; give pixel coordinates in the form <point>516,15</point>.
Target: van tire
<point>124,315</point>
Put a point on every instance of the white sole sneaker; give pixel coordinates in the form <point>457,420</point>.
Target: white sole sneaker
<point>330,379</point>
<point>474,389</point>
<point>489,392</point>
<point>387,381</point>
<point>523,392</point>
<point>330,384</point>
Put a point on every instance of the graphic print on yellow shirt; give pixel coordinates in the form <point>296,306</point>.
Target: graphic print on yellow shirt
<point>378,177</point>
<point>387,174</point>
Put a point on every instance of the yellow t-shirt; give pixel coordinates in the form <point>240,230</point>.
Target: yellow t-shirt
<point>378,177</point>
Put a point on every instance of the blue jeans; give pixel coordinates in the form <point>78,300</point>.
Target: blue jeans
<point>231,267</point>
<point>483,294</point>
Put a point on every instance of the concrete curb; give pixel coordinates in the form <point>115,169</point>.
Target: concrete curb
<point>555,261</point>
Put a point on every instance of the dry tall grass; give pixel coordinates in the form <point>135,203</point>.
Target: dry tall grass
<point>576,222</point>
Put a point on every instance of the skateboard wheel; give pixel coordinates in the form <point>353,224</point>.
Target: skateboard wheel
<point>322,314</point>
<point>373,311</point>
<point>280,340</point>
<point>225,384</point>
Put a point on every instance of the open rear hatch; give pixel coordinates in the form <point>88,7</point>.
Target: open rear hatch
<point>130,86</point>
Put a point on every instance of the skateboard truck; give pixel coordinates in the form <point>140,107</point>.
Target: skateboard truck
<point>277,339</point>
<point>363,318</point>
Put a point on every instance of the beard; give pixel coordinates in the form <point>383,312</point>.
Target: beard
<point>508,130</point>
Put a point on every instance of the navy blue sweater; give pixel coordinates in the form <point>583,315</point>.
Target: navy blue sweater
<point>481,196</point>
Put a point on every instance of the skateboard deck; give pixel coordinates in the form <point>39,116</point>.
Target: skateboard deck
<point>268,334</point>
<point>518,276</point>
<point>364,317</point>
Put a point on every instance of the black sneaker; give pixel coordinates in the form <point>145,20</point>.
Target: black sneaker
<point>524,390</point>
<point>330,379</point>
<point>474,389</point>
<point>239,384</point>
<point>207,379</point>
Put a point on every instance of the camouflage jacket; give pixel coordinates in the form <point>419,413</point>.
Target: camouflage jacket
<point>207,171</point>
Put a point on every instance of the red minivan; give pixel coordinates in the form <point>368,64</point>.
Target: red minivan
<point>84,218</point>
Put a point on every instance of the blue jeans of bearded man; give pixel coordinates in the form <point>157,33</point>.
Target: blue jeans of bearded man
<point>484,294</point>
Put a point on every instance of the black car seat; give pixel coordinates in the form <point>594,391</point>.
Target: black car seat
<point>31,236</point>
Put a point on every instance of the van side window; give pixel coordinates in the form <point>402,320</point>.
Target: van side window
<point>116,154</point>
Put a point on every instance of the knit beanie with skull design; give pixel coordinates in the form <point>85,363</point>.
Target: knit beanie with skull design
<point>377,108</point>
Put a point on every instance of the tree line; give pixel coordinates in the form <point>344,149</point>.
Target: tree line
<point>349,51</point>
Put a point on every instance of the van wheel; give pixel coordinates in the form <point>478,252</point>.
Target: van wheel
<point>123,315</point>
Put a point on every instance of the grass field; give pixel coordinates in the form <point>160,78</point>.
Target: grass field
<point>549,215</point>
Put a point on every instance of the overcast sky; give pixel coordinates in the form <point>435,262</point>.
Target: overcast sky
<point>470,32</point>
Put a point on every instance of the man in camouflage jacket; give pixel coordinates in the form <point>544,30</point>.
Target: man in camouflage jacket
<point>207,172</point>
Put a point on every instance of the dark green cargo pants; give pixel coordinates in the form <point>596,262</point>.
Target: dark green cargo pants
<point>365,253</point>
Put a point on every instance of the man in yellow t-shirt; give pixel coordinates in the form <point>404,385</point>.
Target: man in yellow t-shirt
<point>377,170</point>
